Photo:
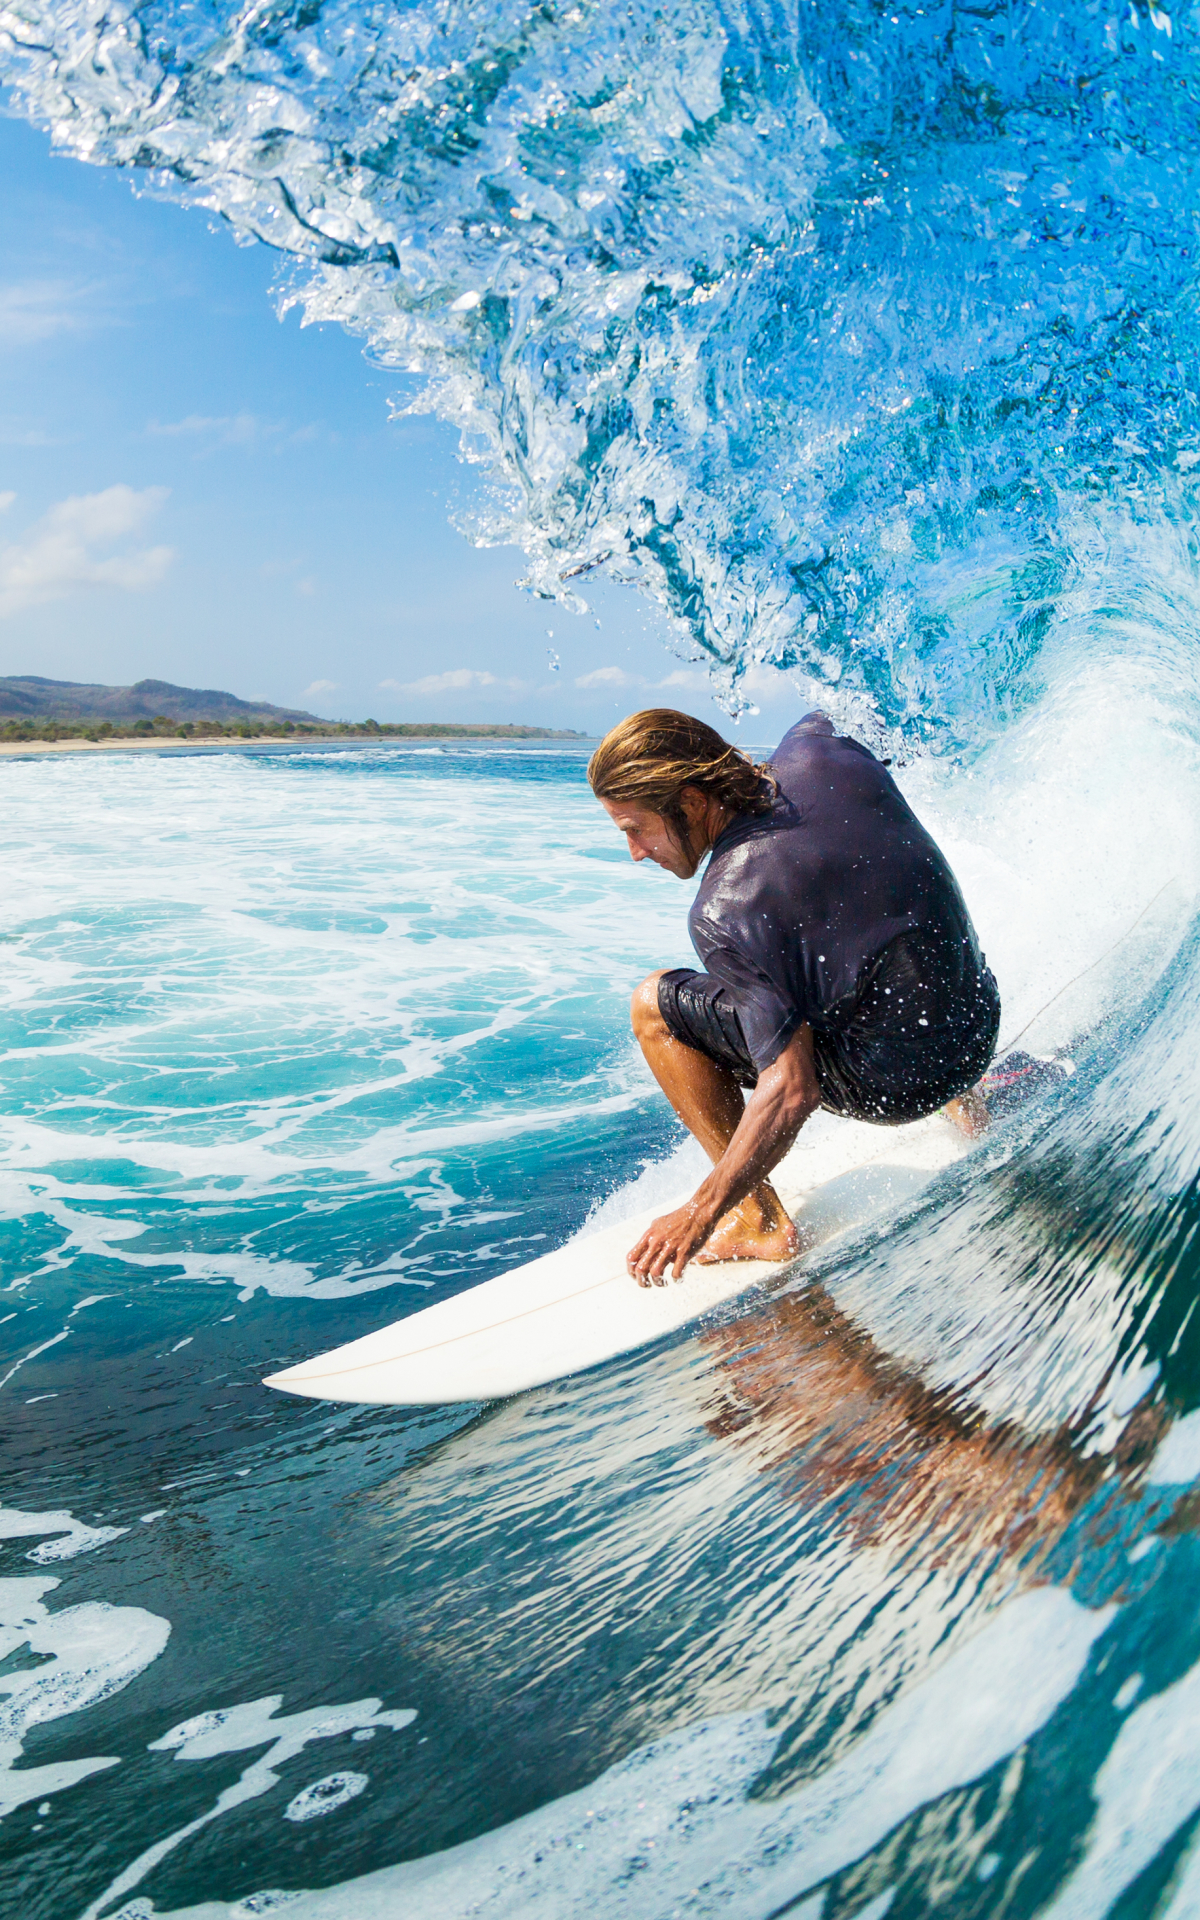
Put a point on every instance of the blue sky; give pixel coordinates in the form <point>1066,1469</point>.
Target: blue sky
<point>192,490</point>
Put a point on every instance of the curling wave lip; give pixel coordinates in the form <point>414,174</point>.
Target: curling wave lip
<point>854,382</point>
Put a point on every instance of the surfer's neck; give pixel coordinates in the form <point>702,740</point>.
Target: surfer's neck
<point>706,818</point>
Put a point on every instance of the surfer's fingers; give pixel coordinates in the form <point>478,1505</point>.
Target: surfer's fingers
<point>636,1257</point>
<point>665,1244</point>
<point>660,1259</point>
<point>656,1265</point>
<point>640,1259</point>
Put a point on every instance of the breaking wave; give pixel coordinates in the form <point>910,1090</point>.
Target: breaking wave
<point>862,339</point>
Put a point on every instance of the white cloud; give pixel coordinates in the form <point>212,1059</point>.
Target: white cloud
<point>457,680</point>
<point>692,677</point>
<point>775,682</point>
<point>14,435</point>
<point>6,500</point>
<point>231,429</point>
<point>319,687</point>
<point>608,679</point>
<point>33,310</point>
<point>59,554</point>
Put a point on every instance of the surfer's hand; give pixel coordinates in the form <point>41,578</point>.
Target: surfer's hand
<point>669,1242</point>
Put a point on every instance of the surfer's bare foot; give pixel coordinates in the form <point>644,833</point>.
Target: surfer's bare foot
<point>969,1113</point>
<point>759,1229</point>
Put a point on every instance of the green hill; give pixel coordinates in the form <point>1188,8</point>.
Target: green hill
<point>29,697</point>
<point>34,708</point>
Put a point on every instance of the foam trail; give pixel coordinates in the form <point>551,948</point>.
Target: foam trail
<point>94,1651</point>
<point>325,1796</point>
<point>677,1814</point>
<point>76,1536</point>
<point>1147,1788</point>
<point>256,1723</point>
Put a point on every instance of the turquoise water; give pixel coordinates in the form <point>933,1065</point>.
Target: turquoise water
<point>839,1591</point>
<point>864,342</point>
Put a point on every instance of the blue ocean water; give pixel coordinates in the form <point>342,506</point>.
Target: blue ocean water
<point>865,342</point>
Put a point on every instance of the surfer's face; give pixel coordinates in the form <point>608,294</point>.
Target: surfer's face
<point>650,837</point>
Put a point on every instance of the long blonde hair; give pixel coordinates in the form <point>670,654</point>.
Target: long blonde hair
<point>648,759</point>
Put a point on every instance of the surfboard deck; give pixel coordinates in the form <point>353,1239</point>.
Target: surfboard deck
<point>570,1309</point>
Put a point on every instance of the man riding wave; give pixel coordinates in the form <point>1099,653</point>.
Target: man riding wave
<point>840,966</point>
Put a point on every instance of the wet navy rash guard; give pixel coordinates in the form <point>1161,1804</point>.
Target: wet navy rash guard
<point>797,905</point>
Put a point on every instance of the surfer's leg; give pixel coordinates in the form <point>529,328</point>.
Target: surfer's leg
<point>708,1100</point>
<point>969,1113</point>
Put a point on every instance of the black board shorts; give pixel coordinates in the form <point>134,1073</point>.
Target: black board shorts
<point>921,1030</point>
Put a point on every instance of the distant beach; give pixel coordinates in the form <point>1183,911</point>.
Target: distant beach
<point>69,716</point>
<point>26,749</point>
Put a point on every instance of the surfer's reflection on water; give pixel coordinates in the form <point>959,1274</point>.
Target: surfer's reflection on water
<point>844,1427</point>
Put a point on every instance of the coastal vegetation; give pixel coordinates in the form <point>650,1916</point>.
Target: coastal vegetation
<point>14,732</point>
<point>33,708</point>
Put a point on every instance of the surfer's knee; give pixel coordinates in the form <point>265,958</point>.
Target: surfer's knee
<point>644,1012</point>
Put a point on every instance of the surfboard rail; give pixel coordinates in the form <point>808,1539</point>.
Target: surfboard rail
<point>577,1306</point>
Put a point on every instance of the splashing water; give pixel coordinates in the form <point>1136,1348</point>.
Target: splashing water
<point>861,339</point>
<point>864,341</point>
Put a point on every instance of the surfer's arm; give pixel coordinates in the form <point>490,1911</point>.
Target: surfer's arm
<point>786,1094</point>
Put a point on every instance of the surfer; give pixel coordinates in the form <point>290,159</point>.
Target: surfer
<point>840,966</point>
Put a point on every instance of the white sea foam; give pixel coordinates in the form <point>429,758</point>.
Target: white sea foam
<point>93,1650</point>
<point>328,1794</point>
<point>258,883</point>
<point>76,1536</point>
<point>659,1184</point>
<point>1148,1786</point>
<point>43,1346</point>
<point>329,966</point>
<point>676,1815</point>
<point>1083,816</point>
<point>255,1723</point>
<point>1177,1459</point>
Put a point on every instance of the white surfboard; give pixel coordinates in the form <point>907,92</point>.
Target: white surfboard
<point>577,1306</point>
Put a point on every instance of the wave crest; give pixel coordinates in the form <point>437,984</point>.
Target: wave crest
<point>844,335</point>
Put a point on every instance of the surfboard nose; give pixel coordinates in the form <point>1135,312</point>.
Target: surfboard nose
<point>294,1380</point>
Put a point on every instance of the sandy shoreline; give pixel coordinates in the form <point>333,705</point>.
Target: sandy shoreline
<point>26,749</point>
<point>21,749</point>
